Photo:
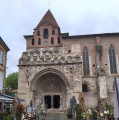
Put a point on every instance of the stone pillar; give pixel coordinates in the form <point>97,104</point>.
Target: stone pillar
<point>51,102</point>
<point>61,101</point>
<point>102,87</point>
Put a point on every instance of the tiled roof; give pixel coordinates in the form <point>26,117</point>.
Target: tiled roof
<point>15,91</point>
<point>91,35</point>
<point>49,19</point>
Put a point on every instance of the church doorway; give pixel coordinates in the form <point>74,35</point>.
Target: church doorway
<point>51,88</point>
<point>56,101</point>
<point>48,101</point>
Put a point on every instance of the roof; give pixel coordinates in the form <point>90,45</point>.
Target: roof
<point>48,18</point>
<point>90,35</point>
<point>15,91</point>
<point>28,36</point>
<point>5,96</point>
<point>4,45</point>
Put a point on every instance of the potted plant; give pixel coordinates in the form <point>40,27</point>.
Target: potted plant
<point>69,115</point>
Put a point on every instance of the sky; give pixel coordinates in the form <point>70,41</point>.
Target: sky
<point>20,17</point>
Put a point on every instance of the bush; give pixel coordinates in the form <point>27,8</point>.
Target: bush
<point>94,115</point>
<point>10,117</point>
<point>3,115</point>
<point>79,112</point>
<point>69,115</point>
<point>20,110</point>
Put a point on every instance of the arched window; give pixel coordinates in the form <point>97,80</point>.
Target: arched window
<point>58,40</point>
<point>85,88</point>
<point>112,58</point>
<point>1,57</point>
<point>33,41</point>
<point>39,41</point>
<point>45,33</point>
<point>53,32</point>
<point>38,33</point>
<point>52,40</point>
<point>86,70</point>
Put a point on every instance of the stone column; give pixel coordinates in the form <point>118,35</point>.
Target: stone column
<point>51,102</point>
<point>102,87</point>
<point>61,101</point>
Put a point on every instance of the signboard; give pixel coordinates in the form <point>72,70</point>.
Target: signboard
<point>29,110</point>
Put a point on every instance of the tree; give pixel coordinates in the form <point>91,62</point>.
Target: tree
<point>12,81</point>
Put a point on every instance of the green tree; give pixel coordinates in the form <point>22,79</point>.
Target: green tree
<point>12,81</point>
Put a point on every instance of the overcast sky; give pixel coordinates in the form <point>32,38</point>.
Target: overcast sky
<point>20,17</point>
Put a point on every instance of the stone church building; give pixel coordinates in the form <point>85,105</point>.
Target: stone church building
<point>56,66</point>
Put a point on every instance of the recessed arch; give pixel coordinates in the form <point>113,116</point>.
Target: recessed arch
<point>85,87</point>
<point>46,71</point>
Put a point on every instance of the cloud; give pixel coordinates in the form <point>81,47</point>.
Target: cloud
<point>20,17</point>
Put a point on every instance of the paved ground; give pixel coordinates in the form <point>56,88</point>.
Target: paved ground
<point>56,116</point>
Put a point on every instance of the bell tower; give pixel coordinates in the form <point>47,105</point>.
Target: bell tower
<point>46,34</point>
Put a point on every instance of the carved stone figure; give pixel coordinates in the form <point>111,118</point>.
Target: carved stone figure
<point>73,103</point>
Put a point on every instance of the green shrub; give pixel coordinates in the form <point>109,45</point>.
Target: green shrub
<point>79,112</point>
<point>10,117</point>
<point>94,115</point>
<point>3,115</point>
<point>69,115</point>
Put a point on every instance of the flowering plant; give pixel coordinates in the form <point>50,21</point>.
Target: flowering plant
<point>3,115</point>
<point>20,110</point>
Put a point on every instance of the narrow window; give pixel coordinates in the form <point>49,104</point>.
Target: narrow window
<point>38,33</point>
<point>59,30</point>
<point>1,80</point>
<point>86,70</point>
<point>85,88</point>
<point>58,40</point>
<point>112,58</point>
<point>33,41</point>
<point>45,43</point>
<point>39,41</point>
<point>52,40</point>
<point>1,57</point>
<point>45,33</point>
<point>53,32</point>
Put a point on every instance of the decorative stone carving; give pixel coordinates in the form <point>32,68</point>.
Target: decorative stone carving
<point>101,71</point>
<point>47,57</point>
<point>52,86</point>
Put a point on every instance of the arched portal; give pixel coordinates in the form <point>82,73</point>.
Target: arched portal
<point>50,86</point>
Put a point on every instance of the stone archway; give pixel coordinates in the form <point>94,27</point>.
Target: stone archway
<point>51,86</point>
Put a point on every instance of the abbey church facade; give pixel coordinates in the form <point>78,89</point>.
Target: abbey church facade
<point>56,66</point>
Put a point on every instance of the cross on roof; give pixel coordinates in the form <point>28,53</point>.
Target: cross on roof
<point>49,4</point>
